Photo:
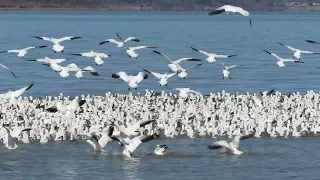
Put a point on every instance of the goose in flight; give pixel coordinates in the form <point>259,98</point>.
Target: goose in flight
<point>173,64</point>
<point>72,107</point>
<point>184,92</point>
<point>121,42</point>
<point>133,81</point>
<point>10,139</point>
<point>22,52</point>
<point>211,57</point>
<point>78,72</point>
<point>100,144</point>
<point>182,72</point>
<point>131,50</point>
<point>163,78</point>
<point>233,9</point>
<point>15,94</point>
<point>226,71</point>
<point>297,52</point>
<point>281,61</point>
<point>135,142</point>
<point>97,57</point>
<point>133,129</point>
<point>161,149</point>
<point>47,60</point>
<point>57,47</point>
<point>230,147</point>
<point>5,67</point>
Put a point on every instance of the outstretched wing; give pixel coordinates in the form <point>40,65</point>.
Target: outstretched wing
<point>157,75</point>
<point>1,65</point>
<point>132,39</point>
<point>122,75</point>
<point>141,47</point>
<point>200,51</point>
<point>289,47</point>
<point>110,41</point>
<point>141,76</point>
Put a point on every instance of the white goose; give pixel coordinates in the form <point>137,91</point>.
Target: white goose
<point>281,61</point>
<point>225,71</point>
<point>72,107</point>
<point>47,60</point>
<point>131,50</point>
<point>22,52</point>
<point>15,94</point>
<point>120,43</point>
<point>182,72</point>
<point>297,52</point>
<point>173,64</point>
<point>135,142</point>
<point>184,92</point>
<point>161,149</point>
<point>230,147</point>
<point>57,47</point>
<point>10,140</point>
<point>78,72</point>
<point>134,129</point>
<point>97,57</point>
<point>133,81</point>
<point>212,57</point>
<point>163,78</point>
<point>233,9</point>
<point>100,144</point>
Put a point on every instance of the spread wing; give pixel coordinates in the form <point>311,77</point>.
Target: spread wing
<point>141,76</point>
<point>122,75</point>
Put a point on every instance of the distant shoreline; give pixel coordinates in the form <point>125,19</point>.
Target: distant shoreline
<point>139,9</point>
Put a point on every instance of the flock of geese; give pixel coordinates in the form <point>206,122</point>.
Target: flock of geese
<point>132,120</point>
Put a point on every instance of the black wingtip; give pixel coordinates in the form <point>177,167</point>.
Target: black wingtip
<point>13,74</point>
<point>194,49</point>
<point>115,76</point>
<point>233,55</point>
<point>103,42</point>
<point>30,86</point>
<point>136,40</point>
<point>215,12</point>
<point>267,51</point>
<point>250,22</point>
<point>147,71</point>
<point>157,52</point>
<point>95,73</point>
<point>82,102</point>
<point>41,46</point>
<point>313,42</point>
<point>75,54</point>
<point>76,37</point>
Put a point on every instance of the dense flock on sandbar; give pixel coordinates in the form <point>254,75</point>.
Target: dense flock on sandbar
<point>131,120</point>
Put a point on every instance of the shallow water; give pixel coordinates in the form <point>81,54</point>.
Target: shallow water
<point>173,33</point>
<point>264,158</point>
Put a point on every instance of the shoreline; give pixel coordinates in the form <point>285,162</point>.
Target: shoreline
<point>138,9</point>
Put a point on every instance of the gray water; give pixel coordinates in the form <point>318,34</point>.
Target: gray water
<point>173,33</point>
<point>264,159</point>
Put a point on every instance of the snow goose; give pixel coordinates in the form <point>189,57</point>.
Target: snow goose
<point>233,9</point>
<point>97,57</point>
<point>22,52</point>
<point>135,142</point>
<point>281,61</point>
<point>230,147</point>
<point>131,50</point>
<point>161,149</point>
<point>212,57</point>
<point>133,81</point>
<point>121,42</point>
<point>297,52</point>
<point>57,47</point>
<point>163,78</point>
<point>173,64</point>
<point>225,71</point>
